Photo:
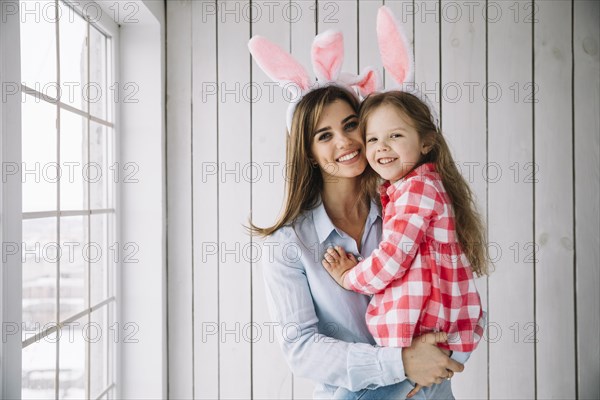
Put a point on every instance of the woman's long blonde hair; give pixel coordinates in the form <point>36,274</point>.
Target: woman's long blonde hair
<point>304,181</point>
<point>468,223</point>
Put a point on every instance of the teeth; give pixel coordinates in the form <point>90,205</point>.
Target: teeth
<point>348,156</point>
<point>386,160</point>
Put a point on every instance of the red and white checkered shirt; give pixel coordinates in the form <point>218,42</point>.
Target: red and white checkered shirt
<point>420,278</point>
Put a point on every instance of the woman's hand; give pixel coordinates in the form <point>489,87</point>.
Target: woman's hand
<point>425,363</point>
<point>337,262</point>
<point>418,387</point>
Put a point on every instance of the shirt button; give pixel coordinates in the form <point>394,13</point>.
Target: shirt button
<point>359,258</point>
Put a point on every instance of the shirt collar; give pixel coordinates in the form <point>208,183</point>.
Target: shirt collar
<point>421,170</point>
<point>324,226</point>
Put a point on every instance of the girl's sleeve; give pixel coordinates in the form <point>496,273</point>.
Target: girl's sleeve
<point>310,354</point>
<point>463,357</point>
<point>419,202</point>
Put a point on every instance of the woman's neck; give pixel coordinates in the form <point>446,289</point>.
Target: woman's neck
<point>343,200</point>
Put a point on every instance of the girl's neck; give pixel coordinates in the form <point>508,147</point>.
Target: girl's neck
<point>343,200</point>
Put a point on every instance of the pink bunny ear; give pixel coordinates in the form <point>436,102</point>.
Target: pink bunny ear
<point>394,47</point>
<point>367,82</point>
<point>328,55</point>
<point>278,64</point>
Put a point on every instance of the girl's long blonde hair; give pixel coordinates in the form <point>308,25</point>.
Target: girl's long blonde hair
<point>304,181</point>
<point>469,226</point>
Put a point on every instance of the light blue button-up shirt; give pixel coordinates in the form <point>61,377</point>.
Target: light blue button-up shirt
<point>321,326</point>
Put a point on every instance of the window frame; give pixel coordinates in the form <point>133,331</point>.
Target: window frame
<point>141,370</point>
<point>100,20</point>
<point>12,217</point>
<point>10,206</point>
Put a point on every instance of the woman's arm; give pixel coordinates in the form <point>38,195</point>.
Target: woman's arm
<point>320,358</point>
<point>311,354</point>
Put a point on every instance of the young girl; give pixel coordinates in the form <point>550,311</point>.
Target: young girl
<point>421,275</point>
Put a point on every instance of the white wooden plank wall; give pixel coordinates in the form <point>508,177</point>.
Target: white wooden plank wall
<point>510,203</point>
<point>204,147</point>
<point>553,201</point>
<point>586,35</point>
<point>518,86</point>
<point>180,312</point>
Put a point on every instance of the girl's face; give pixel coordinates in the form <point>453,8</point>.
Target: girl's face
<point>393,144</point>
<point>337,146</point>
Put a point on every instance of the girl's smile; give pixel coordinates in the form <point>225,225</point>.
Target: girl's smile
<point>384,161</point>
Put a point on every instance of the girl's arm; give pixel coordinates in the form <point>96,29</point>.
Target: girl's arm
<point>463,357</point>
<point>402,234</point>
<point>324,359</point>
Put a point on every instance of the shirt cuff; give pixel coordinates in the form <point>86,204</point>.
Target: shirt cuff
<point>390,360</point>
<point>346,282</point>
<point>460,356</point>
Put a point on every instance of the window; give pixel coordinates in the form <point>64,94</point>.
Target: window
<point>69,182</point>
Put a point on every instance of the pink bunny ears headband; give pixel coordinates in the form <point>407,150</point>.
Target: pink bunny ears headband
<point>397,57</point>
<point>327,56</point>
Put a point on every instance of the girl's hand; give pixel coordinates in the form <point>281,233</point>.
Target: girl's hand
<point>337,262</point>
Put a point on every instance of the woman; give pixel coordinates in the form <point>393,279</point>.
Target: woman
<point>331,200</point>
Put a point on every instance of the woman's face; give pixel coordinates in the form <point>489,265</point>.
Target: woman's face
<point>337,146</point>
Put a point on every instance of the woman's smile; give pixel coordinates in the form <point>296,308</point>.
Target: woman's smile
<point>349,157</point>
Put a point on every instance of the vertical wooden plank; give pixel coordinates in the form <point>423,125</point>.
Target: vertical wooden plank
<point>303,28</point>
<point>271,378</point>
<point>553,193</point>
<point>587,192</point>
<point>205,200</point>
<point>427,48</point>
<point>510,201</point>
<point>179,198</point>
<point>303,31</point>
<point>234,141</point>
<point>405,13</point>
<point>463,75</point>
<point>341,15</point>
<point>368,50</point>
